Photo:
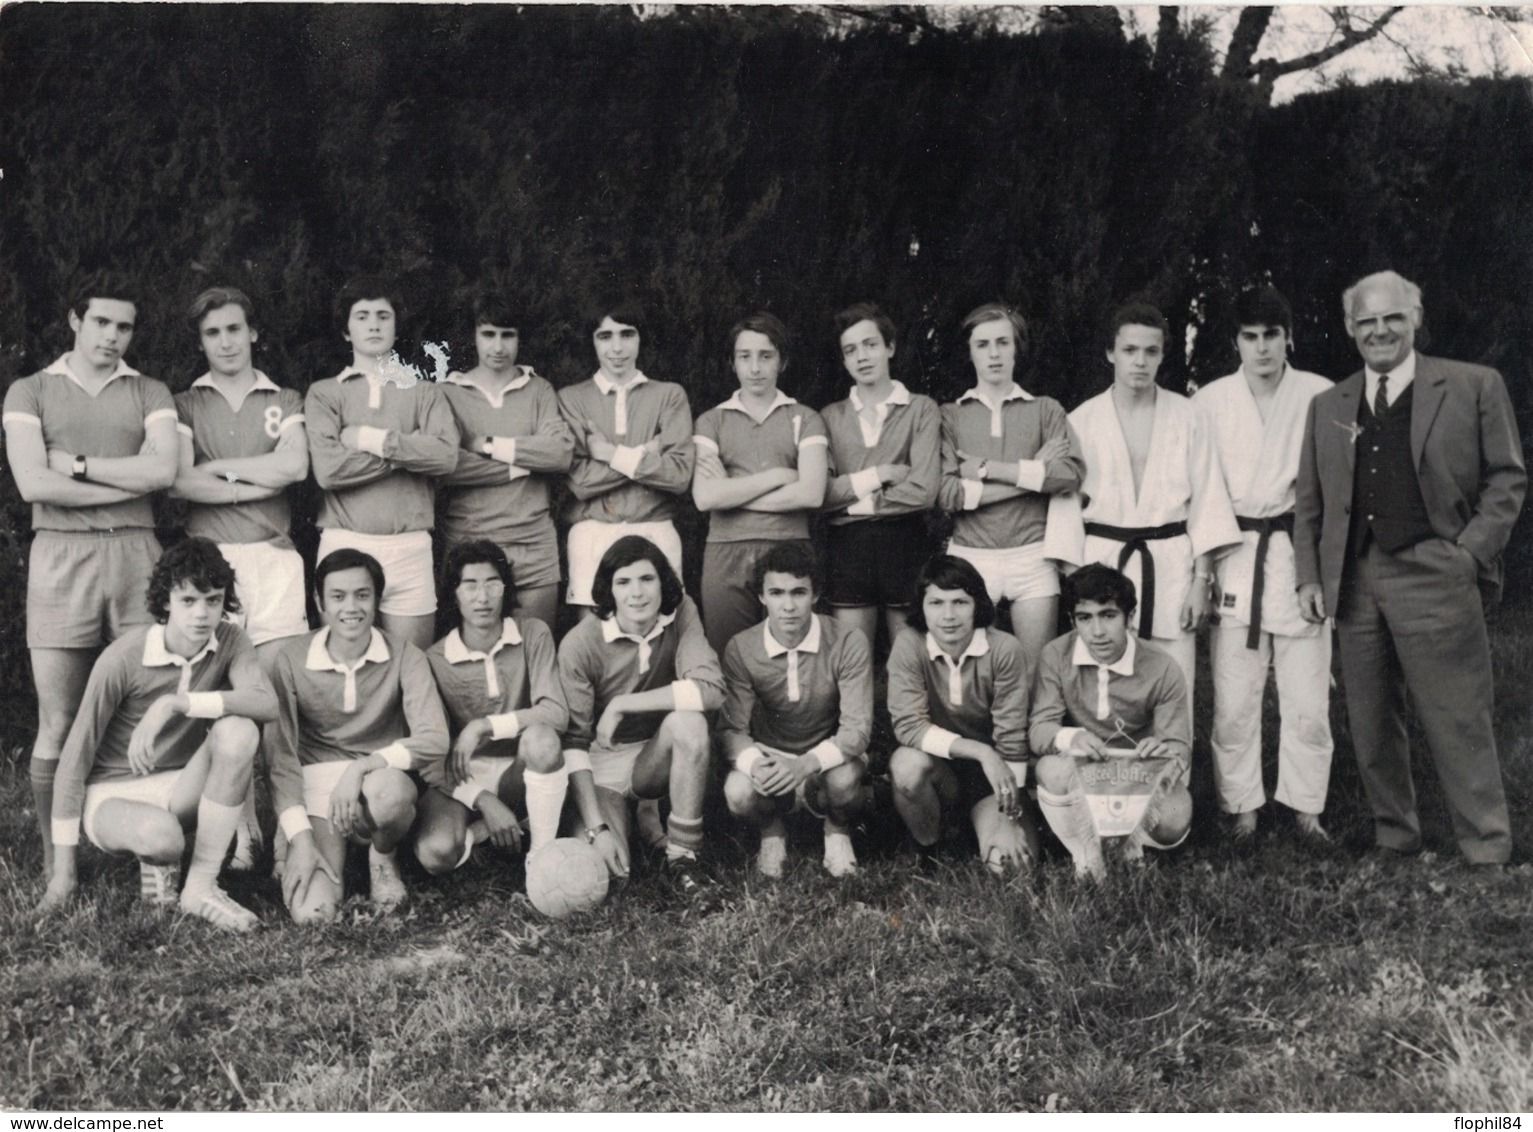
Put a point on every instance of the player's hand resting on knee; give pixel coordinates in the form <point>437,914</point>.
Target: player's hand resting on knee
<point>141,753</point>
<point>501,824</point>
<point>346,802</point>
<point>470,739</point>
<point>303,859</point>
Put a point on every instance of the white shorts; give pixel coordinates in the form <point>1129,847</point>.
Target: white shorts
<point>1020,573</point>
<point>151,789</point>
<point>589,540</point>
<point>319,780</point>
<point>269,582</point>
<point>484,774</point>
<point>409,582</point>
<point>614,769</point>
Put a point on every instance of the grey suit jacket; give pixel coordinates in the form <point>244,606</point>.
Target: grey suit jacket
<point>1468,461</point>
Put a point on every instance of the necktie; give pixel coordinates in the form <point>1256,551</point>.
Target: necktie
<point>1381,398</point>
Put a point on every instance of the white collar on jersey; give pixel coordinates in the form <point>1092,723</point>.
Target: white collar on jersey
<point>496,397</point>
<point>157,655</point>
<point>456,652</point>
<point>898,395</point>
<point>777,402</point>
<point>979,645</point>
<point>607,385</point>
<point>810,643</point>
<point>62,368</point>
<point>1017,393</point>
<point>319,659</point>
<point>1123,666</point>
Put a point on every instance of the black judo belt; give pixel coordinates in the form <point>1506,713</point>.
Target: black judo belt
<point>1265,527</point>
<point>1136,540</point>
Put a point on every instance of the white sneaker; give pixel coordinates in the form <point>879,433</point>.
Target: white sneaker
<point>159,884</point>
<point>840,860</point>
<point>769,862</point>
<point>388,887</point>
<point>218,908</point>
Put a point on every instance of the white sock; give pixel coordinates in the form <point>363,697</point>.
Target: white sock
<point>216,823</point>
<point>545,803</point>
<point>374,855</point>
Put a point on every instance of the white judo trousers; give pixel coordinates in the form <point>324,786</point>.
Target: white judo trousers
<point>1259,456</point>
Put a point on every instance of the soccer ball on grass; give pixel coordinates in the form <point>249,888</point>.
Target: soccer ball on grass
<point>566,876</point>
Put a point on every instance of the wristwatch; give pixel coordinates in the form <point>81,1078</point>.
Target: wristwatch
<point>77,469</point>
<point>595,832</point>
<point>983,470</point>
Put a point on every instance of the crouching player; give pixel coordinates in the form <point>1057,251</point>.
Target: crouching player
<point>798,708</point>
<point>499,680</point>
<point>638,677</point>
<point>165,740</point>
<point>958,697</point>
<point>1100,689</point>
<point>356,711</point>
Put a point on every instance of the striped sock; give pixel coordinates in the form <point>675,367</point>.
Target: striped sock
<point>686,836</point>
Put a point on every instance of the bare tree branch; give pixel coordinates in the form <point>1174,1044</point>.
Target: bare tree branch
<point>1245,40</point>
<point>1268,71</point>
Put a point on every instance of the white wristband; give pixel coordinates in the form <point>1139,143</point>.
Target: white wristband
<point>748,758</point>
<point>827,754</point>
<point>204,705</point>
<point>370,439</point>
<point>625,460</point>
<point>294,820</point>
<point>396,756</point>
<point>865,482</point>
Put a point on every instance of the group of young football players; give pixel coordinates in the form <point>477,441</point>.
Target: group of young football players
<point>1145,508</point>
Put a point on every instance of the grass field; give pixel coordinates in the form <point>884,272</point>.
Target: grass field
<point>1267,979</point>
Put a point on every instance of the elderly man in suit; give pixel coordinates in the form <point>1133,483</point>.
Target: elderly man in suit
<point>1410,479</point>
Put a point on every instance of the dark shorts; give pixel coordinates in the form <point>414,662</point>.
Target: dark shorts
<point>875,561</point>
<point>86,588</point>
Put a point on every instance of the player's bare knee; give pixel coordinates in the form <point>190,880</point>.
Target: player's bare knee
<point>910,770</point>
<point>390,796</point>
<point>1056,773</point>
<point>539,748</point>
<point>740,795</point>
<point>438,850</point>
<point>689,734</point>
<point>233,739</point>
<point>1175,817</point>
<point>160,842</point>
<point>843,784</point>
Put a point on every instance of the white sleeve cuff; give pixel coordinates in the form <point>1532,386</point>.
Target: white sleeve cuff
<point>503,448</point>
<point>808,441</point>
<point>504,726</point>
<point>827,754</point>
<point>973,490</point>
<point>625,460</point>
<point>66,832</point>
<point>184,429</point>
<point>689,697</point>
<point>748,758</point>
<point>468,793</point>
<point>706,442</point>
<point>576,760</point>
<point>1064,738</point>
<point>159,415</point>
<point>396,755</point>
<point>1030,474</point>
<point>290,422</point>
<point>865,482</point>
<point>204,705</point>
<point>938,741</point>
<point>22,418</point>
<point>863,507</point>
<point>1018,768</point>
<point>294,820</point>
<point>370,439</point>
